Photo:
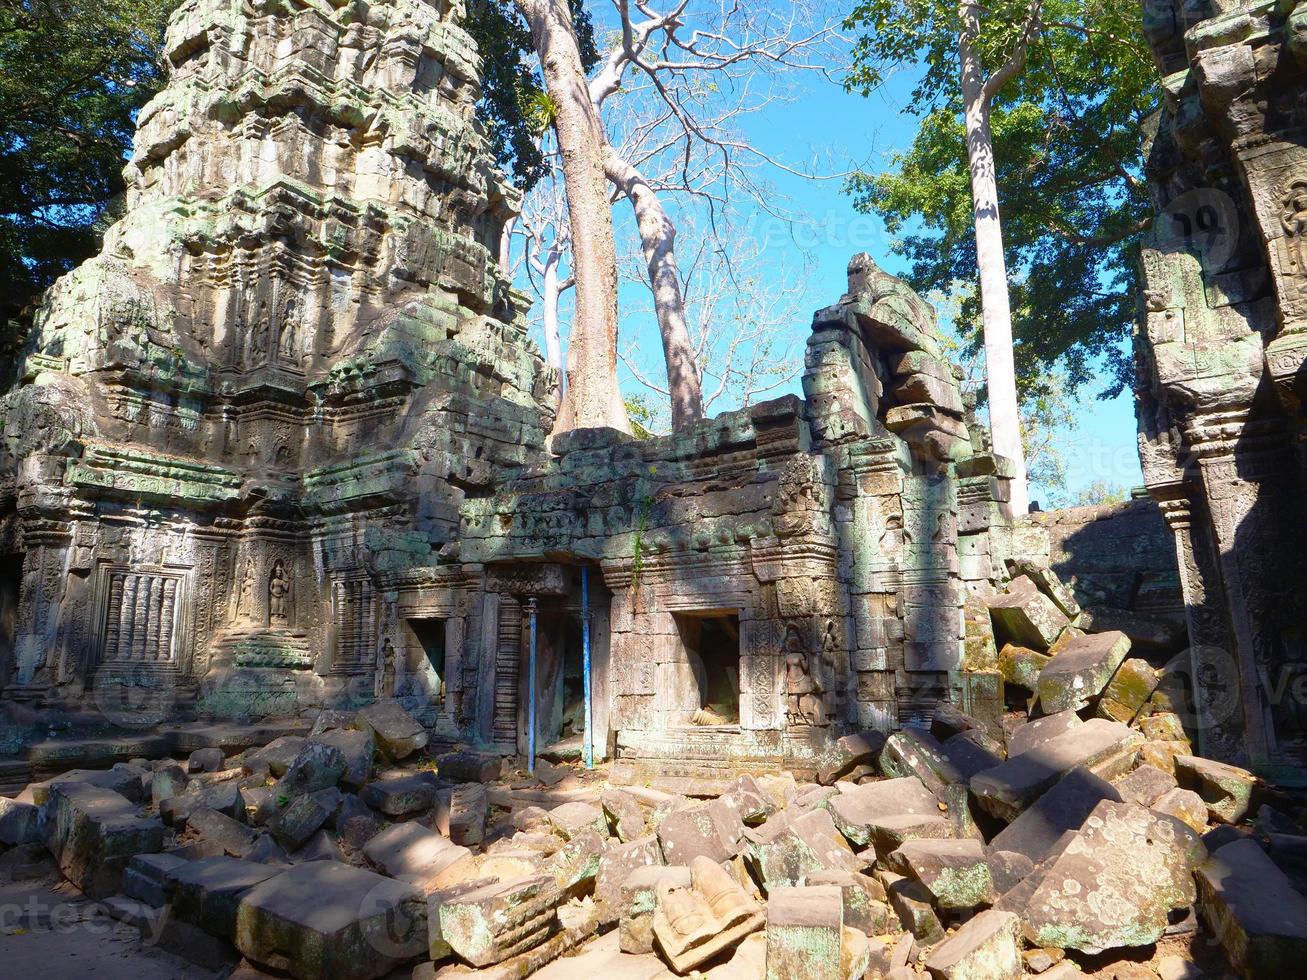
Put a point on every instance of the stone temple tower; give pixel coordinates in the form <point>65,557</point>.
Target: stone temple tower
<point>263,403</point>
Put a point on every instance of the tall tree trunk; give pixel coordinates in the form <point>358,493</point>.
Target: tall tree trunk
<point>1004,415</point>
<point>593,398</point>
<point>658,238</point>
<point>552,292</point>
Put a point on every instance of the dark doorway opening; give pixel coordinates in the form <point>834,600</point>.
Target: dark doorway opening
<point>425,652</point>
<point>11,585</point>
<point>560,676</point>
<point>712,646</point>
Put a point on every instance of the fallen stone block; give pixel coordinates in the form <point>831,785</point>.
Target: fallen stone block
<point>318,766</point>
<point>1026,616</point>
<point>320,847</point>
<point>1021,665</point>
<point>805,933</point>
<point>985,948</point>
<point>205,760</point>
<point>1116,882</point>
<point>1081,671</point>
<point>616,865</point>
<point>912,903</point>
<point>234,837</point>
<point>93,833</point>
<point>303,817</point>
<point>1254,912</point>
<point>1064,807</point>
<point>865,907</point>
<point>1128,691</point>
<point>953,871</point>
<point>400,796</point>
<point>1146,633</point>
<point>786,849</point>
<point>1049,583</point>
<point>625,815</point>
<point>1227,790</point>
<point>1008,869</point>
<point>1106,748</point>
<point>1145,785</point>
<point>711,829</point>
<point>277,755</point>
<point>576,863</point>
<point>860,808</point>
<point>328,921</point>
<point>125,782</point>
<point>355,821</point>
<point>639,898</point>
<point>572,819</point>
<point>970,753</point>
<point>909,753</point>
<point>357,748</point>
<point>468,809</point>
<point>397,733</point>
<point>1163,726</point>
<point>1185,805</point>
<point>206,893</point>
<point>1036,732</point>
<point>469,767</point>
<point>18,823</point>
<point>412,852</point>
<point>266,850</point>
<point>147,878</point>
<point>888,834</point>
<point>696,924</point>
<point>490,924</point>
<point>167,782</point>
<point>849,752</point>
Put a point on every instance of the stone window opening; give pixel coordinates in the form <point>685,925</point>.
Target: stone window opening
<point>711,641</point>
<point>425,655</point>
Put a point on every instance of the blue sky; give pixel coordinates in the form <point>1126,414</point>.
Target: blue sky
<point>825,128</point>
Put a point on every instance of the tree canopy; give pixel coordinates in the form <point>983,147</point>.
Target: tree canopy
<point>73,75</point>
<point>1068,138</point>
<point>514,106</point>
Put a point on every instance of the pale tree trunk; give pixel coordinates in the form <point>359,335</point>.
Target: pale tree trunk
<point>551,293</point>
<point>592,399</point>
<point>658,238</point>
<point>1004,415</point>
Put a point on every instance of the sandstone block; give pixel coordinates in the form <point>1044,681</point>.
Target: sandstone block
<point>1185,805</point>
<point>358,749</point>
<point>711,829</point>
<point>1027,617</point>
<point>233,836</point>
<point>412,852</point>
<point>953,871</point>
<point>624,814</point>
<point>469,807</point>
<point>912,903</point>
<point>147,878</point>
<point>205,760</point>
<point>277,755</point>
<point>1145,785</point>
<point>489,924</point>
<point>572,819</point>
<point>1128,691</point>
<point>1227,790</point>
<point>858,810</point>
<point>805,933</point>
<point>93,833</point>
<point>786,849</point>
<point>617,865</point>
<point>638,899</point>
<point>1036,732</point>
<point>1063,808</point>
<point>303,817</point>
<point>206,893</point>
<point>985,948</point>
<point>397,733</point>
<point>469,767</point>
<point>18,823</point>
<point>1021,665</point>
<point>327,921</point>
<point>1081,670</point>
<point>865,899</point>
<point>400,796</point>
<point>847,753</point>
<point>1254,912</point>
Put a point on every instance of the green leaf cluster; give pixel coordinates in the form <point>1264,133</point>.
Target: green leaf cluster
<point>1069,131</point>
<point>514,106</point>
<point>73,75</point>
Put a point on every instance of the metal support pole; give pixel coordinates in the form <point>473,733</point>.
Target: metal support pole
<point>585,667</point>
<point>532,608</point>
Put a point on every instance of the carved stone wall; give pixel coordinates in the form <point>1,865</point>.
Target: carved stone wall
<point>1221,358</point>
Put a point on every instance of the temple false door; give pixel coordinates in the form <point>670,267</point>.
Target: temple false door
<point>144,614</point>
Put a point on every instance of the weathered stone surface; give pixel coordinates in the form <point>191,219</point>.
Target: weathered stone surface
<point>148,878</point>
<point>327,921</point>
<point>357,748</point>
<point>576,864</point>
<point>318,766</point>
<point>1185,805</point>
<point>625,815</point>
<point>1008,869</point>
<point>18,823</point>
<point>412,852</point>
<point>1081,671</point>
<point>1145,785</point>
<point>468,767</point>
<point>616,866</point>
<point>125,782</point>
<point>489,924</point>
<point>865,905</point>
<point>207,893</point>
<point>573,819</point>
<point>912,903</point>
<point>694,925</point>
<point>1105,748</point>
<point>1025,616</point>
<point>468,808</point>
<point>1037,731</point>
<point>1048,582</point>
<point>953,871</point>
<point>787,849</point>
<point>1257,916</point>
<point>93,833</point>
<point>300,819</point>
<point>711,829</point>
<point>1128,691</point>
<point>233,836</point>
<point>857,811</point>
<point>1064,807</point>
<point>985,948</point>
<point>862,748</point>
<point>1227,790</point>
<point>397,733</point>
<point>1116,882</point>
<point>638,899</point>
<point>277,755</point>
<point>400,796</point>
<point>205,760</point>
<point>1021,665</point>
<point>805,933</point>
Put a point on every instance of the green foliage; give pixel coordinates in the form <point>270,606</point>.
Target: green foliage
<point>514,106</point>
<point>73,75</point>
<point>643,415</point>
<point>1068,138</point>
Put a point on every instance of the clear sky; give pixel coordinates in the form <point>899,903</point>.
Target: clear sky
<point>824,128</point>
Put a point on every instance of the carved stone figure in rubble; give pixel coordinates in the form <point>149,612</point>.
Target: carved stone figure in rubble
<point>802,692</point>
<point>278,591</point>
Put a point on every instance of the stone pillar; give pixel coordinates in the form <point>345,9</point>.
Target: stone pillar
<point>44,571</point>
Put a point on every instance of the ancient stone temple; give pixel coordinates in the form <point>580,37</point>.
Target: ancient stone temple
<point>282,445</point>
<point>1221,355</point>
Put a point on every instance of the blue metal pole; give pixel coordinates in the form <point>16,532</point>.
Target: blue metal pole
<point>585,654</point>
<point>531,607</point>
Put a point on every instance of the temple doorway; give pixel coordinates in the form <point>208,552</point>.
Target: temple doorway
<point>711,641</point>
<point>11,584</point>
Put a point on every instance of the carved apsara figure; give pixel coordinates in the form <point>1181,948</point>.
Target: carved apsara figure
<point>278,591</point>
<point>802,692</point>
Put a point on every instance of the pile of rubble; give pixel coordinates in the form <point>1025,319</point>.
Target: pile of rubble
<point>1079,835</point>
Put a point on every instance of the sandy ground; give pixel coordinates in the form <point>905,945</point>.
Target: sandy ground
<point>48,932</point>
